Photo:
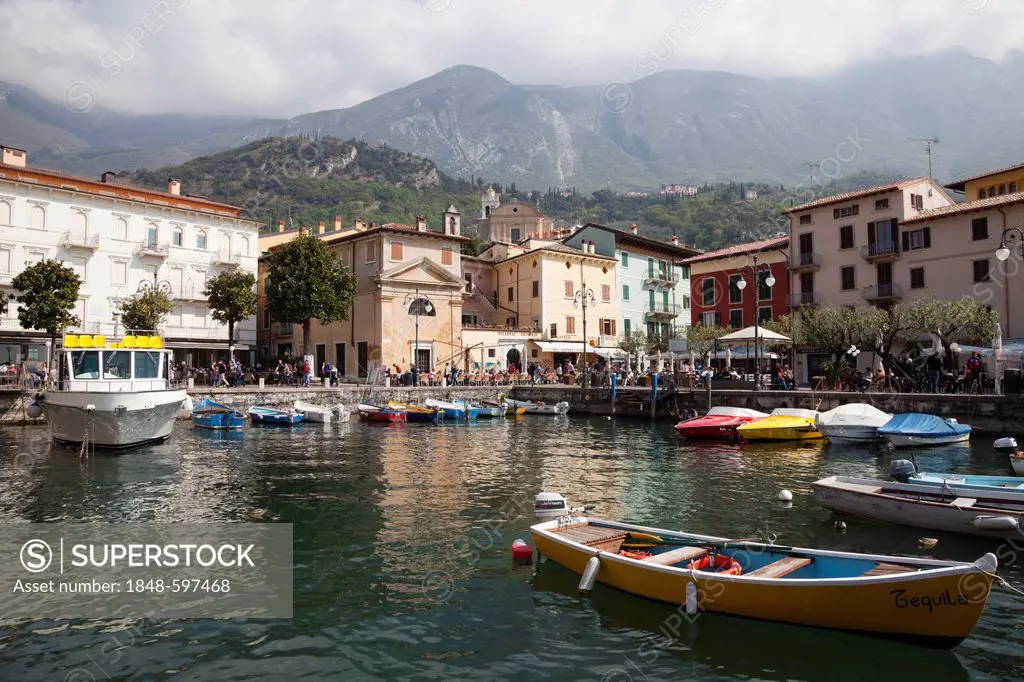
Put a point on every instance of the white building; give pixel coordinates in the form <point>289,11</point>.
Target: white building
<point>117,238</point>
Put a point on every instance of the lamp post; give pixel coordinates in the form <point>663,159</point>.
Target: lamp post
<point>1015,233</point>
<point>417,306</point>
<point>584,298</point>
<point>741,285</point>
<point>162,286</point>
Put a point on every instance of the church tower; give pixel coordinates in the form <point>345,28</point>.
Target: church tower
<point>488,202</point>
<point>451,221</point>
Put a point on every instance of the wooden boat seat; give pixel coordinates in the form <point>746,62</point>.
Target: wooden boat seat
<point>883,568</point>
<point>779,568</point>
<point>964,502</point>
<point>676,556</point>
<point>604,539</point>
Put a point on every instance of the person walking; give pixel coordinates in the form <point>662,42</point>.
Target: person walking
<point>933,367</point>
<point>306,372</point>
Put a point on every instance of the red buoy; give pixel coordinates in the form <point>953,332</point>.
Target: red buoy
<point>522,552</point>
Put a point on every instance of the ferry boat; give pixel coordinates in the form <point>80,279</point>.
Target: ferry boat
<point>112,394</point>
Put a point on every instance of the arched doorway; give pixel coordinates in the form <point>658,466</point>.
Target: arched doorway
<point>513,358</point>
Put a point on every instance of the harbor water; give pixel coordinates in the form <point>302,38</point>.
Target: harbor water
<point>401,550</point>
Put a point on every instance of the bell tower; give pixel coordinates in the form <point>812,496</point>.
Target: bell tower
<point>452,221</point>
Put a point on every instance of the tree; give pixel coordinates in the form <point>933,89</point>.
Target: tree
<point>633,343</point>
<point>145,311</point>
<point>231,296</point>
<point>47,293</point>
<point>307,282</point>
<point>963,321</point>
<point>833,330</point>
<point>701,339</point>
<point>884,328</point>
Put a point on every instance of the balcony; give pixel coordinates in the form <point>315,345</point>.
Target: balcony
<point>225,257</point>
<point>805,262</point>
<point>800,298</point>
<point>149,249</point>
<point>660,278</point>
<point>191,292</point>
<point>662,310</point>
<point>879,252</point>
<point>503,329</point>
<point>882,292</point>
<point>283,329</point>
<point>80,241</point>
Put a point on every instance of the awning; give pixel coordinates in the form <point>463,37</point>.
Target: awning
<point>610,353</point>
<point>747,334</point>
<point>561,346</point>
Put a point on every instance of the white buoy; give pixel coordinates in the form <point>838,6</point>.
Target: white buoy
<point>785,496</point>
<point>691,598</point>
<point>590,575</point>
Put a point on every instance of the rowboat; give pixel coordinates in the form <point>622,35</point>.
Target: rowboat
<point>720,422</point>
<point>417,413</point>
<point>376,413</point>
<point>540,407</point>
<point>952,508</point>
<point>510,410</point>
<point>912,429</point>
<point>1017,463</point>
<point>960,481</point>
<point>454,410</point>
<point>207,414</point>
<point>497,410</point>
<point>925,601</point>
<point>272,417</point>
<point>316,413</point>
<point>784,423</point>
<point>853,423</point>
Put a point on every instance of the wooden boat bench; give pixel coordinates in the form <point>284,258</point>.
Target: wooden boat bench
<point>964,502</point>
<point>883,568</point>
<point>604,539</point>
<point>676,556</point>
<point>779,568</point>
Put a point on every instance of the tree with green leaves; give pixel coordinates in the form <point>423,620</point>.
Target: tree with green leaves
<point>701,339</point>
<point>47,295</point>
<point>307,282</point>
<point>882,329</point>
<point>633,344</point>
<point>833,330</point>
<point>963,321</point>
<point>145,311</point>
<point>231,296</point>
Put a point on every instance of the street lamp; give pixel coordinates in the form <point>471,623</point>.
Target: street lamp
<point>417,306</point>
<point>769,281</point>
<point>1003,252</point>
<point>584,298</point>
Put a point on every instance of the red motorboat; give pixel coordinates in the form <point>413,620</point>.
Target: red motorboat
<point>719,422</point>
<point>375,413</point>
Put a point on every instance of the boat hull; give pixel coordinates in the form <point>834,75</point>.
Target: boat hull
<point>313,413</point>
<point>116,420</point>
<point>274,418</point>
<point>879,606</point>
<point>851,434</point>
<point>380,415</point>
<point>541,408</point>
<point>218,421</point>
<point>1017,465</point>
<point>906,440</point>
<point>779,428</point>
<point>710,427</point>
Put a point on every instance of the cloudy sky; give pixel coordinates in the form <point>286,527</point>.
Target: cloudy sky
<point>285,57</point>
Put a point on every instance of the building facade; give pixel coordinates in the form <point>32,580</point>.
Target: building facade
<point>651,290</point>
<point>512,222</point>
<point>117,239</point>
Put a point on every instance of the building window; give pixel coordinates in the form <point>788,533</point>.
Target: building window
<point>707,286</point>
<point>627,326</point>
<point>607,327</point>
<point>992,191</point>
<point>625,259</point>
<point>535,286</point>
<point>37,217</point>
<point>570,324</point>
<point>553,331</point>
<point>846,237</point>
<point>917,278</point>
<point>881,204</point>
<point>1002,189</point>
<point>917,239</point>
<point>764,313</point>
<point>736,318</point>
<point>711,318</point>
<point>120,228</point>
<point>201,240</point>
<point>397,250</point>
<point>686,301</point>
<point>979,229</point>
<point>848,278</point>
<point>981,193</point>
<point>468,276</point>
<point>266,319</point>
<point>764,292</point>
<point>916,201</point>
<point>606,292</point>
<point>1013,188</point>
<point>511,322</point>
<point>568,288</point>
<point>177,237</point>
<point>516,234</point>
<point>846,211</point>
<point>152,235</point>
<point>490,352</point>
<point>625,292</point>
<point>447,256</point>
<point>735,293</point>
<point>370,255</point>
<point>981,272</point>
<point>511,294</point>
<point>805,219</point>
<point>118,272</point>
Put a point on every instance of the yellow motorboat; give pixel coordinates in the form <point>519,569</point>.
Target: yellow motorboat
<point>784,423</point>
<point>924,601</point>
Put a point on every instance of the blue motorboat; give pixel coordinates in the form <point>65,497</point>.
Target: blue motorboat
<point>905,471</point>
<point>914,429</point>
<point>207,414</point>
<point>454,410</point>
<point>272,417</point>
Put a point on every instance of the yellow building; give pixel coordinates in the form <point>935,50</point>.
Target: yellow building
<point>991,183</point>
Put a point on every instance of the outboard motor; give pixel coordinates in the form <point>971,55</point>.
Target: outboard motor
<point>549,506</point>
<point>902,470</point>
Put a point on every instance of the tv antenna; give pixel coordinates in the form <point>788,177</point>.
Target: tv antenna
<point>928,143</point>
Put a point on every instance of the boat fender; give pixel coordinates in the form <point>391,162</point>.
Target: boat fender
<point>785,496</point>
<point>522,553</point>
<point>902,469</point>
<point>590,575</point>
<point>34,410</point>
<point>720,561</point>
<point>996,523</point>
<point>691,599</point>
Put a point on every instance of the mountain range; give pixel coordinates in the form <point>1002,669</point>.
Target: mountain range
<point>679,126</point>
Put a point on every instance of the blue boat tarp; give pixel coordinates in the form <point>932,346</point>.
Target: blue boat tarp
<point>923,425</point>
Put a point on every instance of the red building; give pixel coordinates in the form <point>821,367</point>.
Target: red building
<point>717,298</point>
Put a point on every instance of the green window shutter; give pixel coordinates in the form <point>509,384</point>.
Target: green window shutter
<point>626,326</point>
<point>625,292</point>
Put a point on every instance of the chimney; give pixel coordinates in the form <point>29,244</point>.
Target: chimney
<point>337,223</point>
<point>320,228</point>
<point>421,224</point>
<point>675,240</point>
<point>633,228</point>
<point>13,157</point>
<point>303,231</point>
<point>280,225</point>
<point>173,186</point>
<point>359,224</point>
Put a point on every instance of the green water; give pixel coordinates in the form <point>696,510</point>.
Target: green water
<point>402,538</point>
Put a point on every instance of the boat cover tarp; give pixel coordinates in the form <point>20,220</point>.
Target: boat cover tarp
<point>916,424</point>
<point>794,412</point>
<point>854,414</point>
<point>726,411</point>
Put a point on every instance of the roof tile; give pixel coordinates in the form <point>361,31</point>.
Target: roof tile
<point>737,249</point>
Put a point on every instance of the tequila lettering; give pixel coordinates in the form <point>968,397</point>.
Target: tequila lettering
<point>944,598</point>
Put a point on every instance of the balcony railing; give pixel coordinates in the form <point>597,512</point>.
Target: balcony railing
<point>880,250</point>
<point>70,240</point>
<point>805,261</point>
<point>662,309</point>
<point>880,292</point>
<point>225,257</point>
<point>283,329</point>
<point>503,329</point>
<point>660,278</point>
<point>800,298</point>
<point>153,250</point>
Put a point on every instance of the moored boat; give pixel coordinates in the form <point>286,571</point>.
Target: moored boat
<point>853,423</point>
<point>720,422</point>
<point>974,482</point>
<point>784,423</point>
<point>417,413</point>
<point>510,410</point>
<point>950,507</point>
<point>540,407</point>
<point>913,428</point>
<point>318,414</point>
<point>454,410</point>
<point>925,601</point>
<point>1017,463</point>
<point>487,410</point>
<point>206,414</point>
<point>376,413</point>
<point>272,417</point>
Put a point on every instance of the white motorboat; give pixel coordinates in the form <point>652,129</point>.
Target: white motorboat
<point>853,423</point>
<point>323,415</point>
<point>539,407</point>
<point>112,395</point>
